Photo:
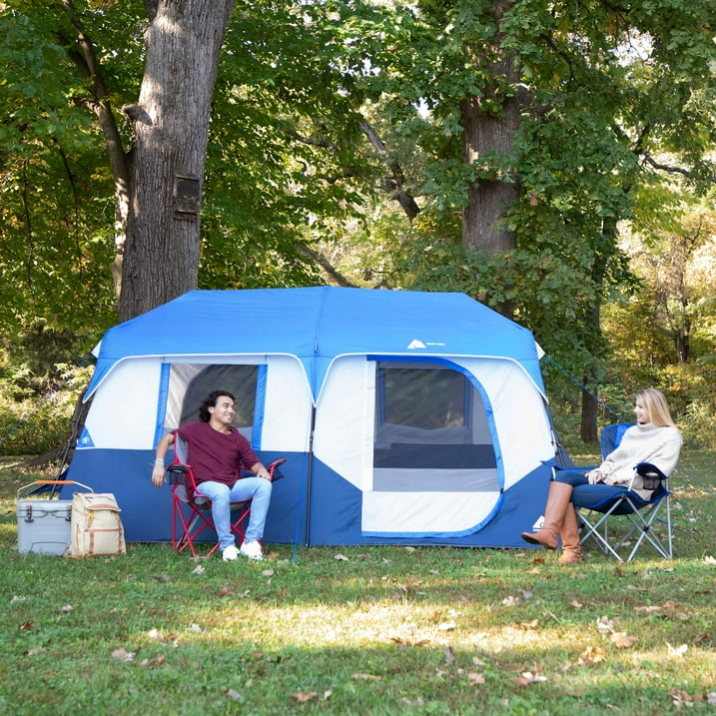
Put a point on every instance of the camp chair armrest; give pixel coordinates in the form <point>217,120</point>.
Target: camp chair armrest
<point>176,473</point>
<point>650,474</point>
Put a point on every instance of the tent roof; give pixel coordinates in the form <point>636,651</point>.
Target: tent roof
<point>316,325</point>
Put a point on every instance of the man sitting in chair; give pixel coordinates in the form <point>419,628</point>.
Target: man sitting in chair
<point>217,450</point>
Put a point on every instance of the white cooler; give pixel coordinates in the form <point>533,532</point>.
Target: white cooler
<point>43,525</point>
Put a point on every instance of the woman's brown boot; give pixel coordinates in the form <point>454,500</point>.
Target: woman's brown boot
<point>557,504</point>
<point>571,550</point>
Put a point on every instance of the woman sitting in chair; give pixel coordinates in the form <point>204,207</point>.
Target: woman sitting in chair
<point>654,439</point>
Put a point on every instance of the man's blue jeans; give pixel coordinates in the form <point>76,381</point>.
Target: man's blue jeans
<point>584,494</point>
<point>255,489</point>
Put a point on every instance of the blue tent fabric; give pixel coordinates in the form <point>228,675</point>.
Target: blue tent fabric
<point>317,324</point>
<point>348,480</point>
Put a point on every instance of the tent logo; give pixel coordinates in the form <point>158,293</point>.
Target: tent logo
<point>415,343</point>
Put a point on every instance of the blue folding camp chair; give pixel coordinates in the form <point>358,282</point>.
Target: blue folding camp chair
<point>646,522</point>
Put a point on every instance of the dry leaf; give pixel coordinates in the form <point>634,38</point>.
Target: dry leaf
<point>17,599</point>
<point>418,702</point>
<point>606,625</point>
<point>67,608</point>
<point>449,655</point>
<point>522,681</point>
<point>198,569</point>
<point>447,626</point>
<point>26,626</point>
<point>680,698</point>
<point>122,654</point>
<point>533,677</point>
<point>33,652</point>
<point>709,560</point>
<point>511,601</point>
<point>366,677</point>
<point>576,604</point>
<point>340,557</point>
<point>478,661</point>
<point>267,573</point>
<point>224,592</point>
<point>676,652</point>
<point>711,698</point>
<point>530,625</point>
<point>407,642</point>
<point>525,594</point>
<point>410,549</point>
<point>475,678</point>
<point>621,640</point>
<point>303,696</point>
<point>156,661</point>
<point>592,655</point>
<point>235,695</point>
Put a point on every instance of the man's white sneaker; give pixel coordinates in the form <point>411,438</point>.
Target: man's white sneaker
<point>252,550</point>
<point>230,553</point>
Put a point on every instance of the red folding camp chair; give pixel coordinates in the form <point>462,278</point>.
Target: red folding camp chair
<point>191,511</point>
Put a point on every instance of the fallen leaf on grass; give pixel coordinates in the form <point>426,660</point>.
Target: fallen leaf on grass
<point>156,661</point>
<point>198,569</point>
<point>407,702</point>
<point>680,698</point>
<point>34,652</point>
<point>710,560</point>
<point>366,677</point>
<point>67,608</point>
<point>410,549</point>
<point>711,698</point>
<point>530,625</point>
<point>26,626</point>
<point>511,601</point>
<point>475,678</point>
<point>605,624</point>
<point>408,642</point>
<point>449,655</point>
<point>17,599</point>
<point>447,626</point>
<point>122,654</point>
<point>235,695</point>
<point>267,573</point>
<point>340,558</point>
<point>303,696</point>
<point>225,592</point>
<point>621,640</point>
<point>676,652</point>
<point>592,655</point>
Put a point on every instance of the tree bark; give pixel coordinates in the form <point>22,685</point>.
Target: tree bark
<point>490,125</point>
<point>170,122</point>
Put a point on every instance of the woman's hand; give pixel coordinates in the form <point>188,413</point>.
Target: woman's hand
<point>594,476</point>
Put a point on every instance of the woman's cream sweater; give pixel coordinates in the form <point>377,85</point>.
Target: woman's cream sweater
<point>659,446</point>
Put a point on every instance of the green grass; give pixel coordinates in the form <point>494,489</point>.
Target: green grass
<point>387,630</point>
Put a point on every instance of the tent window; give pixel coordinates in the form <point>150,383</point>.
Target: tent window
<point>431,430</point>
<point>239,380</point>
<point>423,398</point>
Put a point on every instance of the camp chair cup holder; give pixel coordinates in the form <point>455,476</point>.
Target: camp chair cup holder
<point>651,476</point>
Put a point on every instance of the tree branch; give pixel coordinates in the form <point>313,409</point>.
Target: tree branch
<point>396,180</point>
<point>326,265</point>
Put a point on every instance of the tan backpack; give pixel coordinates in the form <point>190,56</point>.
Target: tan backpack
<point>96,527</point>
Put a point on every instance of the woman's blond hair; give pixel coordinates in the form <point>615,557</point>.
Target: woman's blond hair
<point>656,407</point>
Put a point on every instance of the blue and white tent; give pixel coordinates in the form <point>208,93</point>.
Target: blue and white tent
<point>415,418</point>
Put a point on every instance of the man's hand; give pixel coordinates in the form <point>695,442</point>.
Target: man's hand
<point>262,472</point>
<point>595,476</point>
<point>158,475</point>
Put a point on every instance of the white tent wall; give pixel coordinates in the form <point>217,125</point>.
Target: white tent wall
<point>518,407</point>
<point>123,414</point>
<point>436,506</point>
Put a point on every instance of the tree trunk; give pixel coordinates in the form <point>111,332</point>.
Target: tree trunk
<point>170,121</point>
<point>490,124</point>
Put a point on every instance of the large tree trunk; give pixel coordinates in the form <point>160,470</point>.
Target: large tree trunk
<point>170,121</point>
<point>490,125</point>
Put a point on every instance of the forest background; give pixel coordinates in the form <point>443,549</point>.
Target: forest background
<point>554,160</point>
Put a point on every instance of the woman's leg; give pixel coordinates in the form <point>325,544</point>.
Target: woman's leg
<point>558,501</point>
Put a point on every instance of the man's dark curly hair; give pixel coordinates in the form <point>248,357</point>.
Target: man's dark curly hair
<point>210,402</point>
